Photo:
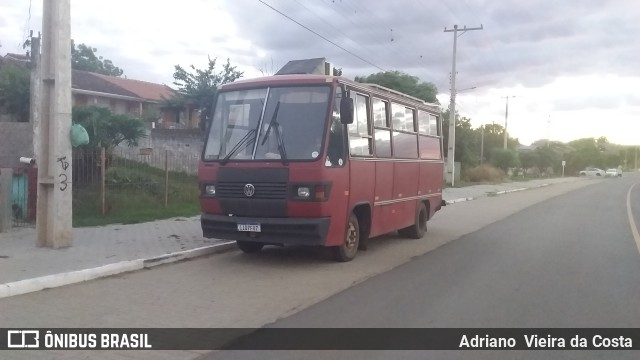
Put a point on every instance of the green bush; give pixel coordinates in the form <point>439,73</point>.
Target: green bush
<point>485,173</point>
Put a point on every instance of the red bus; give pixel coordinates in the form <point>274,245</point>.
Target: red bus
<point>319,160</point>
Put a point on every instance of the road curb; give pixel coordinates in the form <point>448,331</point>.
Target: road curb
<point>188,254</point>
<point>73,277</point>
<point>488,193</point>
<point>459,200</point>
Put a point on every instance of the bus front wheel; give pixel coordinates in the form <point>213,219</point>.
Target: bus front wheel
<point>348,250</point>
<point>417,230</point>
<point>249,247</point>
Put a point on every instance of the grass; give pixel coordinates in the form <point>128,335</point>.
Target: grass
<point>135,193</point>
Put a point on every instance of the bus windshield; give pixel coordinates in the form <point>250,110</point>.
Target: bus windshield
<point>281,123</point>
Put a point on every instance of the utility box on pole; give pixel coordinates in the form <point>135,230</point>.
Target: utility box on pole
<point>53,218</point>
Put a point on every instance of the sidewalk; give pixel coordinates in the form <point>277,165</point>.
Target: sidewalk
<point>112,249</point>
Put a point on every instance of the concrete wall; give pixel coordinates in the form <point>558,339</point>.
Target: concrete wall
<point>16,140</point>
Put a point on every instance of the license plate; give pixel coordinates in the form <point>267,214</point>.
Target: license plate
<point>249,227</point>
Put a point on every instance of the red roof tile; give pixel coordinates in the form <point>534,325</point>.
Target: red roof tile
<point>143,89</point>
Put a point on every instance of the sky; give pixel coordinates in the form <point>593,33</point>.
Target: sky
<point>570,68</point>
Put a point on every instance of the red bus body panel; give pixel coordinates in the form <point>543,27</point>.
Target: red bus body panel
<point>390,191</point>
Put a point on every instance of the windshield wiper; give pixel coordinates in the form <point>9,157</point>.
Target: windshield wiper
<point>241,145</point>
<point>274,124</point>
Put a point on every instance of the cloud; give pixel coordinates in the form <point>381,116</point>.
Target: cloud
<point>525,46</point>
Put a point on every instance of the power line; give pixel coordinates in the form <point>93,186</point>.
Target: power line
<point>348,19</point>
<point>26,26</point>
<point>322,37</point>
<point>397,51</point>
<point>333,26</point>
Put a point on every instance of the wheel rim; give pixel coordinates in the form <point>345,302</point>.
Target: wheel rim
<point>352,238</point>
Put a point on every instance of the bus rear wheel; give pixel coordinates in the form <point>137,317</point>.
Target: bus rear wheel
<point>249,247</point>
<point>348,250</point>
<point>417,230</point>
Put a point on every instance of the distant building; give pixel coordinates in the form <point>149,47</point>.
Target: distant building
<point>124,96</point>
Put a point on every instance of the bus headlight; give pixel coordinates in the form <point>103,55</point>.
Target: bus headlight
<point>304,192</point>
<point>210,190</point>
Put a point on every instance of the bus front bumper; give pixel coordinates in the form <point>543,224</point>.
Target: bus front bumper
<point>290,231</point>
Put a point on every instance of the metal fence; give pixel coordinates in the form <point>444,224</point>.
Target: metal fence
<point>124,182</point>
<point>20,194</point>
<point>121,184</point>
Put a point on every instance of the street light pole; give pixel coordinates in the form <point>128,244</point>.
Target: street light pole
<point>506,116</point>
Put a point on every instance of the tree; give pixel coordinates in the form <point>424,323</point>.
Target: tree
<point>528,159</point>
<point>107,129</point>
<point>404,83</point>
<point>200,86</point>
<point>547,158</point>
<point>467,144</point>
<point>14,91</point>
<point>84,58</point>
<point>504,159</point>
<point>586,152</point>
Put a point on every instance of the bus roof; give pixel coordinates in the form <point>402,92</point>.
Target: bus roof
<point>279,80</point>
<point>314,79</point>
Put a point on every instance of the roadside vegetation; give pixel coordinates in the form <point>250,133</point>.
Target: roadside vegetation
<point>135,192</point>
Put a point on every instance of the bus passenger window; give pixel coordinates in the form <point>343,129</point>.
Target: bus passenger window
<point>360,139</point>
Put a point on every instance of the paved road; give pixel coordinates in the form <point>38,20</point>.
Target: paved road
<point>235,290</point>
<point>570,261</point>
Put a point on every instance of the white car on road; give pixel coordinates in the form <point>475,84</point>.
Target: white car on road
<point>613,173</point>
<point>592,172</point>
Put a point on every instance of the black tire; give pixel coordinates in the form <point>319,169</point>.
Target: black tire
<point>348,250</point>
<point>249,247</point>
<point>419,228</point>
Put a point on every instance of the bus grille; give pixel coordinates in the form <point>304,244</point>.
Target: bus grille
<point>263,190</point>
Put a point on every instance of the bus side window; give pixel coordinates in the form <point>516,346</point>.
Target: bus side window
<point>336,146</point>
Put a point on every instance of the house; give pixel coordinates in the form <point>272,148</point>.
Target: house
<point>144,99</point>
<point>126,96</point>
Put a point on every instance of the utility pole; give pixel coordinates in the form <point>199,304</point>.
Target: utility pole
<point>481,144</point>
<point>35,102</point>
<point>506,115</point>
<point>53,218</point>
<point>451,148</point>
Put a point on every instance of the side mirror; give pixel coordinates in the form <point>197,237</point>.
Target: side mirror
<point>346,110</point>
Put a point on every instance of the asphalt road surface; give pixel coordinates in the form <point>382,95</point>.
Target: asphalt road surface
<point>569,261</point>
<point>562,255</point>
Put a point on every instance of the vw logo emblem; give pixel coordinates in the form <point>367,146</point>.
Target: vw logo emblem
<point>249,190</point>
